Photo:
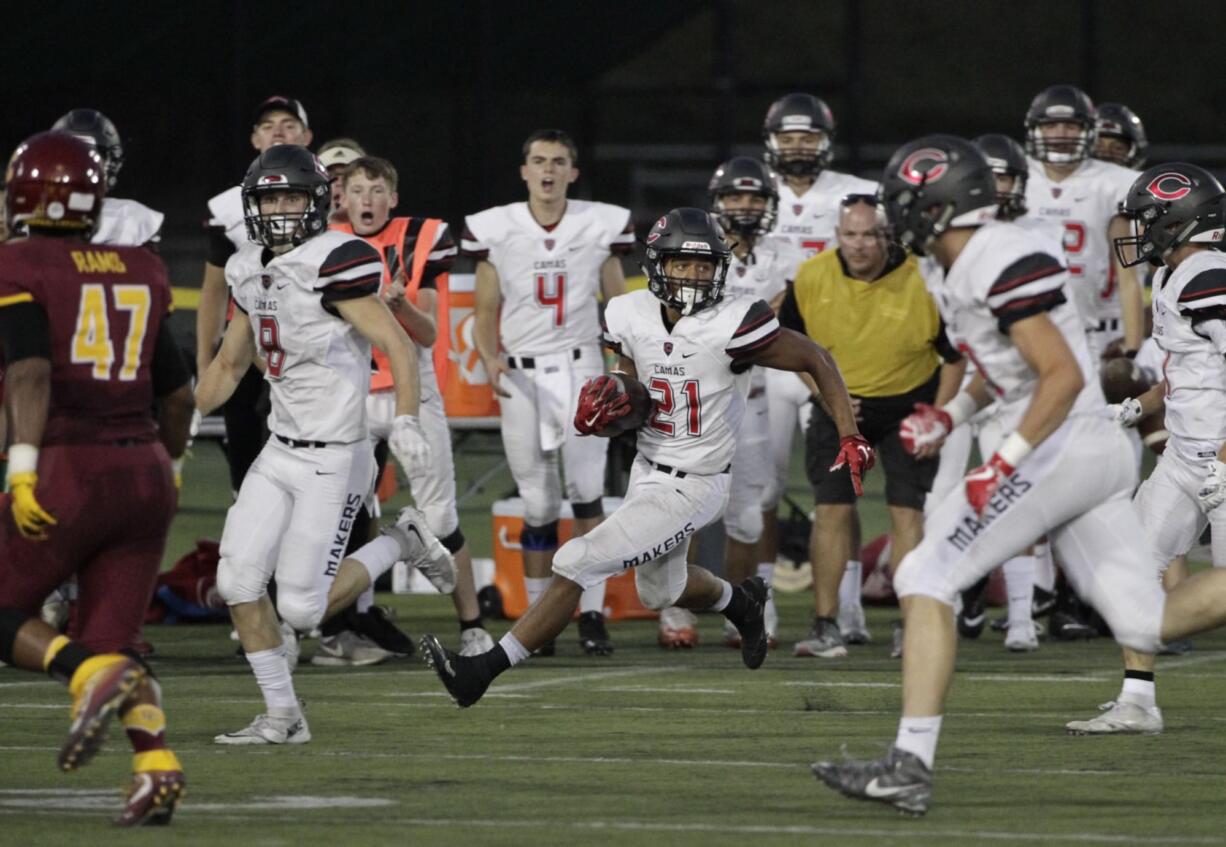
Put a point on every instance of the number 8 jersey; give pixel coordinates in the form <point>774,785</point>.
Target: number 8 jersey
<point>549,277</point>
<point>698,374</point>
<point>318,364</point>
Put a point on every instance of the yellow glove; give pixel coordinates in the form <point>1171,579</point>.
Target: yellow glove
<point>31,519</point>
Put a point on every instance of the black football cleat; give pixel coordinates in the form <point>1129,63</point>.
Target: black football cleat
<point>899,779</point>
<point>462,676</point>
<point>377,624</point>
<point>546,650</point>
<point>593,635</point>
<point>754,641</point>
<point>974,610</point>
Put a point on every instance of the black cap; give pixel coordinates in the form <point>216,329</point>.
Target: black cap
<point>282,104</point>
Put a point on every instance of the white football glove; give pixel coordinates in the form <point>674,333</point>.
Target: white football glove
<point>408,442</point>
<point>1212,491</point>
<point>1126,413</point>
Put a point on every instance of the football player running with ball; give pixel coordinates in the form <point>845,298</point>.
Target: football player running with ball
<point>1057,472</point>
<point>694,348</point>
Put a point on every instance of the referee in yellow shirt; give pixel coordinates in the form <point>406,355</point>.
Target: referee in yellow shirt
<point>867,304</point>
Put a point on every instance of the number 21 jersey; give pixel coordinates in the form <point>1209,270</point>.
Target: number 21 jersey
<point>549,278</point>
<point>697,373</point>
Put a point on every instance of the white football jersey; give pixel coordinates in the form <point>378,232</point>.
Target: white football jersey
<point>1007,272</point>
<point>226,212</point>
<point>807,221</point>
<point>697,374</point>
<point>549,278</point>
<point>318,364</point>
<point>764,276</point>
<point>1194,370</point>
<point>1084,204</point>
<point>127,223</point>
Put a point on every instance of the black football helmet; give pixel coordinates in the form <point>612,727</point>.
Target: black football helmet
<point>1056,104</point>
<point>798,113</point>
<point>93,127</point>
<point>744,175</point>
<point>1171,205</point>
<point>935,183</point>
<point>686,232</point>
<point>286,167</point>
<point>1007,158</point>
<point>1115,120</point>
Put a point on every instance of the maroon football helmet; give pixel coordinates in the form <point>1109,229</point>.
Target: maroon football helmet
<point>55,181</point>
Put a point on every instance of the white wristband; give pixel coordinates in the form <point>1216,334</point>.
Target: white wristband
<point>961,408</point>
<point>23,458</point>
<point>1014,449</point>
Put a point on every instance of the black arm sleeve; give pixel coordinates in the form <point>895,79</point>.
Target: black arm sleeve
<point>945,347</point>
<point>789,312</point>
<point>170,369</point>
<point>25,332</point>
<point>220,247</point>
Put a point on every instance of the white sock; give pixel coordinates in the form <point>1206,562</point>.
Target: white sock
<point>725,595</point>
<point>272,674</point>
<point>1019,584</point>
<point>766,570</point>
<point>535,587</point>
<point>919,736</point>
<point>378,556</point>
<point>1044,567</point>
<point>849,588</point>
<point>1139,691</point>
<point>592,599</point>
<point>515,650</point>
<point>366,599</point>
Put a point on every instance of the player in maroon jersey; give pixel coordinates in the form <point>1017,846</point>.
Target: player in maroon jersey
<point>87,355</point>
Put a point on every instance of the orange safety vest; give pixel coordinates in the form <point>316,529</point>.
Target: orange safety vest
<point>390,242</point>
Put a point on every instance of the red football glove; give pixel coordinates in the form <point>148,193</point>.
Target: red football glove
<point>857,454</point>
<point>923,431</point>
<point>600,403</point>
<point>982,482</point>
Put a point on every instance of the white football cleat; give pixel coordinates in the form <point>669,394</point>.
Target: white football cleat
<point>678,629</point>
<point>852,625</point>
<point>1120,719</point>
<point>1022,637</point>
<point>270,729</point>
<point>349,649</point>
<point>770,618</point>
<point>422,550</point>
<point>475,641</point>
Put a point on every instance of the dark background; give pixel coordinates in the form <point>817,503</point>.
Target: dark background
<point>656,93</point>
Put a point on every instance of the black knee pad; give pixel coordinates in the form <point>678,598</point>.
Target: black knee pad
<point>591,509</point>
<point>544,537</point>
<point>454,542</point>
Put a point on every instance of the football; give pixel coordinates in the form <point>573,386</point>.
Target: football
<point>1122,379</point>
<point>641,404</point>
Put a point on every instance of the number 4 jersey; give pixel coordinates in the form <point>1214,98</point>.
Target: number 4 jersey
<point>698,374</point>
<point>318,364</point>
<point>105,309</point>
<point>549,278</point>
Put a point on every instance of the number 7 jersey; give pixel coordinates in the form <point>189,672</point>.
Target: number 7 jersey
<point>697,373</point>
<point>549,278</point>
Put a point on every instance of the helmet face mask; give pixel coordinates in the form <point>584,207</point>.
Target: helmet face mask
<point>285,169</point>
<point>683,234</point>
<point>1060,104</point>
<point>1007,159</point>
<point>743,176</point>
<point>799,135</point>
<point>1118,123</point>
<point>1170,206</point>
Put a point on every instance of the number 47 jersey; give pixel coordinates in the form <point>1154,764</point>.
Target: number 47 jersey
<point>549,278</point>
<point>697,373</point>
<point>105,306</point>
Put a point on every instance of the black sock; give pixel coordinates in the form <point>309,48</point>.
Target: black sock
<point>495,661</point>
<point>70,657</point>
<point>475,623</point>
<point>737,607</point>
<point>1144,676</point>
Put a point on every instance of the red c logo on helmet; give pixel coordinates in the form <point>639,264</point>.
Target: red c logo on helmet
<point>1183,186</point>
<point>910,169</point>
